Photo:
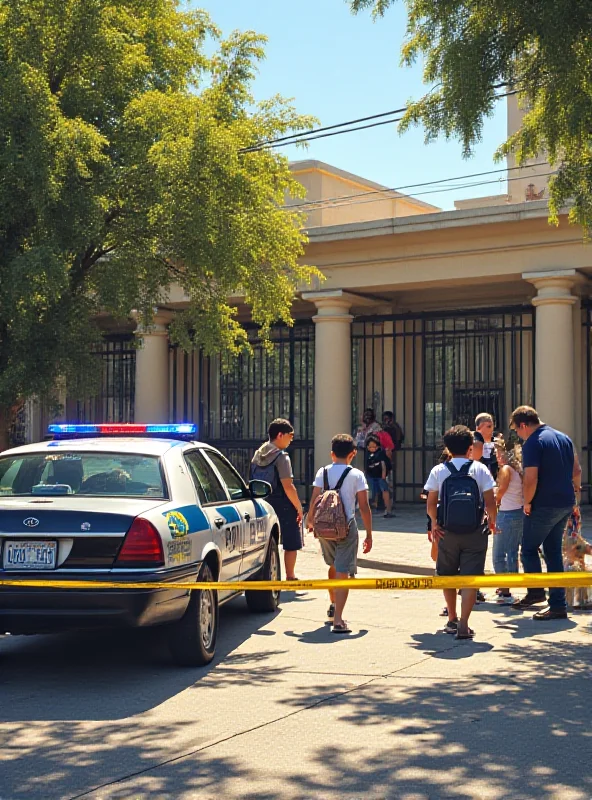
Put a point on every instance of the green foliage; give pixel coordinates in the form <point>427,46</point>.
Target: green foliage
<point>121,175</point>
<point>543,49</point>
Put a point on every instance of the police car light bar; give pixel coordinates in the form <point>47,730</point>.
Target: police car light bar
<point>113,429</point>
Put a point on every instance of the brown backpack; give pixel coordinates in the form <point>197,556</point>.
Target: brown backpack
<point>328,514</point>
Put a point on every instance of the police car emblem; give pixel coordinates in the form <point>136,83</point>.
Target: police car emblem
<point>31,522</point>
<point>177,523</point>
<point>85,526</point>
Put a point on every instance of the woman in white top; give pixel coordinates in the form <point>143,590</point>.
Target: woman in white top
<point>510,515</point>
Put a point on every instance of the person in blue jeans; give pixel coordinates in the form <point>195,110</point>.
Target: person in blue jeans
<point>552,478</point>
<point>509,500</point>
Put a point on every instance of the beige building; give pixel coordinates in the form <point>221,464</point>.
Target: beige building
<point>434,315</point>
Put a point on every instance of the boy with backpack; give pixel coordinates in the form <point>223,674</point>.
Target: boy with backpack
<point>458,494</point>
<point>378,466</point>
<point>271,463</point>
<point>332,517</point>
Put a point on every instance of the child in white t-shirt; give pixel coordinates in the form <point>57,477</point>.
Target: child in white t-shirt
<point>341,556</point>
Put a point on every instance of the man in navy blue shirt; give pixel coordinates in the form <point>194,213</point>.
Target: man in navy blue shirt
<point>552,478</point>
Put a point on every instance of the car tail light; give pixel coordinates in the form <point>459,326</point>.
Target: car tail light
<point>142,546</point>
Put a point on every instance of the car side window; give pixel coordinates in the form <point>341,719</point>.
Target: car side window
<point>233,481</point>
<point>209,488</point>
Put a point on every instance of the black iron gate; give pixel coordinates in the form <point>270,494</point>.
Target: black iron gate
<point>114,402</point>
<point>587,448</point>
<point>233,401</point>
<point>434,370</point>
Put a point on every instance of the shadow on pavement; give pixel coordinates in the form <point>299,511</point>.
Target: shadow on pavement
<point>111,675</point>
<point>324,635</point>
<point>522,732</point>
<point>433,644</point>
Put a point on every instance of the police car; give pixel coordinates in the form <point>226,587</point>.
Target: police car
<point>131,503</point>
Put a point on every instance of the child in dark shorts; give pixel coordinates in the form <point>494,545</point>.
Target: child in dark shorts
<point>460,552</point>
<point>377,468</point>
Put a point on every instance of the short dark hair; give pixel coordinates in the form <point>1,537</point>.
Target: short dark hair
<point>525,415</point>
<point>458,440</point>
<point>388,414</point>
<point>342,445</point>
<point>278,426</point>
<point>369,411</point>
<point>373,438</point>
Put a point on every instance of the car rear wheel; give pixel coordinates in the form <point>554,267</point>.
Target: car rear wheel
<point>192,640</point>
<point>266,601</point>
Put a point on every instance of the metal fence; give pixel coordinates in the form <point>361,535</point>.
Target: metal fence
<point>114,402</point>
<point>234,400</point>
<point>587,448</point>
<point>437,369</point>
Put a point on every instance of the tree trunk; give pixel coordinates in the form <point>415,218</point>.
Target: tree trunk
<point>5,422</point>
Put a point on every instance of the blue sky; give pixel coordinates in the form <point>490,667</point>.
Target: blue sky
<point>339,67</point>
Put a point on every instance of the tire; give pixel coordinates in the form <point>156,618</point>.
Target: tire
<point>192,640</point>
<point>267,601</point>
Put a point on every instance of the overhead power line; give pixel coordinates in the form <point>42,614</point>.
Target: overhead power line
<point>314,205</point>
<point>340,128</point>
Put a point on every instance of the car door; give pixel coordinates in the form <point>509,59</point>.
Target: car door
<point>225,523</point>
<point>253,538</point>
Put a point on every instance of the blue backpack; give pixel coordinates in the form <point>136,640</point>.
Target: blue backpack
<point>268,473</point>
<point>461,508</point>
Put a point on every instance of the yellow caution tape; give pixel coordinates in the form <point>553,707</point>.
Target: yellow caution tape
<point>543,580</point>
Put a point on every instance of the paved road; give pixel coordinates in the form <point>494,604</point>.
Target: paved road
<point>288,710</point>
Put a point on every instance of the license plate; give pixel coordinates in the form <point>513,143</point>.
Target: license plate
<point>30,555</point>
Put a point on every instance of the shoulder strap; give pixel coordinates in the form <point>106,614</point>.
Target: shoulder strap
<point>325,480</point>
<point>451,468</point>
<point>464,470</point>
<point>339,484</point>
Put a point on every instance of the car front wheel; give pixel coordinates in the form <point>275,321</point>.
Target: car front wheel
<point>269,600</point>
<point>192,640</point>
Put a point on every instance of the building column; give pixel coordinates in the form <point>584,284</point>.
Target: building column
<point>151,396</point>
<point>333,384</point>
<point>554,347</point>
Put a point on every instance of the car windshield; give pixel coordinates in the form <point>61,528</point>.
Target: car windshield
<point>80,473</point>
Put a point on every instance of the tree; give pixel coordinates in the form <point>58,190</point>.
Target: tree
<point>541,49</point>
<point>121,173</point>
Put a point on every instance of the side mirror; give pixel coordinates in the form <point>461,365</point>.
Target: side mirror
<point>260,488</point>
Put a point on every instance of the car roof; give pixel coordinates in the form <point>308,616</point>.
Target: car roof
<point>152,446</point>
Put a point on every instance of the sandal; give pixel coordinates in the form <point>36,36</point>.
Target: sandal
<point>331,611</point>
<point>444,612</point>
<point>468,635</point>
<point>343,627</point>
<point>451,626</point>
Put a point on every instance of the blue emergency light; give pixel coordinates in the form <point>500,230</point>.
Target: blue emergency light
<point>123,429</point>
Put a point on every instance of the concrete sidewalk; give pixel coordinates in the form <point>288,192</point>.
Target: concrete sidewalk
<point>398,710</point>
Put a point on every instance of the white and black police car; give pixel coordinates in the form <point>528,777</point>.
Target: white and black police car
<point>131,503</point>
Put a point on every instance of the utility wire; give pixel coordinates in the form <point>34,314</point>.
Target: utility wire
<point>312,204</point>
<point>325,128</point>
<point>431,191</point>
<point>316,133</point>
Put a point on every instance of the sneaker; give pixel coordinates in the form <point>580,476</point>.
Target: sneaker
<point>388,515</point>
<point>480,596</point>
<point>331,611</point>
<point>529,600</point>
<point>444,612</point>
<point>504,600</point>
